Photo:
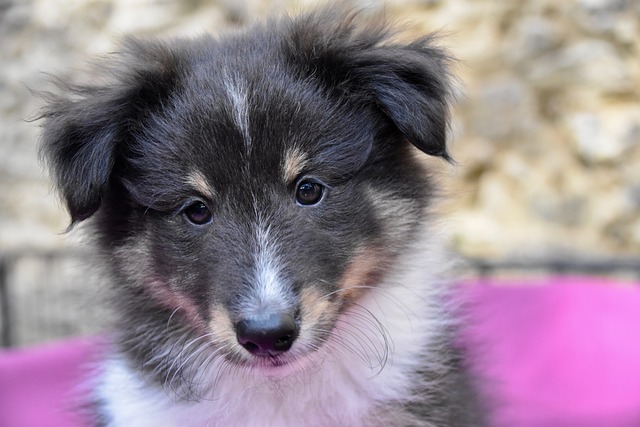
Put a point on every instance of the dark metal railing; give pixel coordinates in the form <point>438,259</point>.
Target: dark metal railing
<point>45,294</point>
<point>5,306</point>
<point>614,266</point>
<point>54,294</point>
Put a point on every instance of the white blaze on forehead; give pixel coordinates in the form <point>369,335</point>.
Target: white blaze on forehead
<point>238,95</point>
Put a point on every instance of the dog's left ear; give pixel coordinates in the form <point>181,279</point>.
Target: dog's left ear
<point>410,84</point>
<point>355,57</point>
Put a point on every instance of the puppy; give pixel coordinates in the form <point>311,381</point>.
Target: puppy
<point>262,207</point>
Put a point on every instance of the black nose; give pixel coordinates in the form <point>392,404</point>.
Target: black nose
<point>267,336</point>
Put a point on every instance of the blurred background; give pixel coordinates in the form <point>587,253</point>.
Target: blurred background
<point>546,136</point>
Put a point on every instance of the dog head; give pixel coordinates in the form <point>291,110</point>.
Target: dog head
<point>248,190</point>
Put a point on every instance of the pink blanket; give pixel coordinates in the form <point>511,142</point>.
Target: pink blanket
<point>558,353</point>
<point>39,386</point>
<point>553,353</point>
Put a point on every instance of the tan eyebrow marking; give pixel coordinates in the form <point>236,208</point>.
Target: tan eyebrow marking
<point>295,160</point>
<point>197,180</point>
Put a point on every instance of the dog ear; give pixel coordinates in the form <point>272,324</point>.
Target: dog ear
<point>410,84</point>
<point>355,57</point>
<point>86,126</point>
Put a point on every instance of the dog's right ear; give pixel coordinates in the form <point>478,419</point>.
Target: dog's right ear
<point>86,126</point>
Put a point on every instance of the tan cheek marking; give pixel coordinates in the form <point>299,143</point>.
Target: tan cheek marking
<point>221,326</point>
<point>364,270</point>
<point>294,163</point>
<point>315,307</point>
<point>197,180</point>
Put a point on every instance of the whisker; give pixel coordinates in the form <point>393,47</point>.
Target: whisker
<point>171,316</point>
<point>203,369</point>
<point>365,342</point>
<point>377,325</point>
<point>357,348</point>
<point>372,317</point>
<point>382,334</point>
<point>380,291</point>
<point>179,356</point>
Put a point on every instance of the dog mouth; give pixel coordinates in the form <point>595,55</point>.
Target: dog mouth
<point>272,363</point>
<point>276,362</point>
<point>279,366</point>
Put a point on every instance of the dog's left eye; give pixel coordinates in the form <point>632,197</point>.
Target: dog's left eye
<point>198,213</point>
<point>309,192</point>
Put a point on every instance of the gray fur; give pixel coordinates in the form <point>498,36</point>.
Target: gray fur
<point>183,163</point>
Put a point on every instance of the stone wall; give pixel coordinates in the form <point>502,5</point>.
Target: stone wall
<point>546,131</point>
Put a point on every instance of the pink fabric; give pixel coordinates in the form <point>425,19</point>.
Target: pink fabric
<point>40,387</point>
<point>558,353</point>
<point>553,353</point>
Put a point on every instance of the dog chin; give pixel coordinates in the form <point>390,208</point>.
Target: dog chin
<point>278,367</point>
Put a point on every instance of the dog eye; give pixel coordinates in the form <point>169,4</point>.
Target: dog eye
<point>309,192</point>
<point>198,213</point>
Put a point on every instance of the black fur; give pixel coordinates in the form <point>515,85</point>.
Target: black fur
<point>342,91</point>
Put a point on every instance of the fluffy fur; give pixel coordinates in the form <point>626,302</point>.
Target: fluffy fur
<point>267,184</point>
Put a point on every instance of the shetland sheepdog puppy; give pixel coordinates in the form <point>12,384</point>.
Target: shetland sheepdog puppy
<point>263,210</point>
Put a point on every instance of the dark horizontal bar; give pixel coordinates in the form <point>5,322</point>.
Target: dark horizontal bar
<point>599,265</point>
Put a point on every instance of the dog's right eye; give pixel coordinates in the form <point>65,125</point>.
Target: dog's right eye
<point>198,213</point>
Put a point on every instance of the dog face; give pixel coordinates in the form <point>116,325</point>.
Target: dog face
<point>249,190</point>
